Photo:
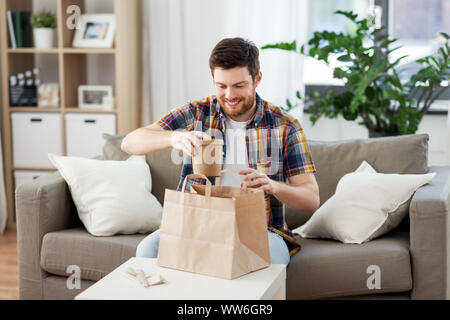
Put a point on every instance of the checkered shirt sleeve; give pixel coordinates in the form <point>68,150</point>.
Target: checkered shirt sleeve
<point>297,156</point>
<point>178,118</point>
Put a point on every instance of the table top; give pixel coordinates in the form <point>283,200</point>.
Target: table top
<point>181,285</point>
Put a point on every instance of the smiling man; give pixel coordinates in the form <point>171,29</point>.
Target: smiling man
<point>266,146</point>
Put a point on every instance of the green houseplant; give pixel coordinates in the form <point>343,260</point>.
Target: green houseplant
<point>44,24</point>
<point>374,90</point>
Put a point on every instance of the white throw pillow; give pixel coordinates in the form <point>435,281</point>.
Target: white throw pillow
<point>112,197</point>
<point>364,206</point>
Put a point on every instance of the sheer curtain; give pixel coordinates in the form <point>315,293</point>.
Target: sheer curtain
<point>3,212</point>
<point>179,35</point>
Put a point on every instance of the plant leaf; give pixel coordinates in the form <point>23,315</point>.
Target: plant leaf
<point>345,58</point>
<point>349,14</point>
<point>288,46</point>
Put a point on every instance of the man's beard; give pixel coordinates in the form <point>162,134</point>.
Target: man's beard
<point>246,105</point>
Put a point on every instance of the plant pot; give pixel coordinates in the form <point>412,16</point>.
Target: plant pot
<point>380,134</point>
<point>44,38</point>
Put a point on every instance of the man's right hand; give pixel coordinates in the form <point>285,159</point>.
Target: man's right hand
<point>153,138</point>
<point>188,141</point>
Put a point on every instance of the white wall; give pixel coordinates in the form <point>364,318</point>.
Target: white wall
<point>437,126</point>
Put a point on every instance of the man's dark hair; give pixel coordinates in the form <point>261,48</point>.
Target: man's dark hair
<point>235,52</point>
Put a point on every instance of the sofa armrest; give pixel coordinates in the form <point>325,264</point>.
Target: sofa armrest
<point>43,205</point>
<point>429,236</point>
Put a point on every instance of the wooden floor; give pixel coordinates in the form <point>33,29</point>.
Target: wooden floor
<point>9,275</point>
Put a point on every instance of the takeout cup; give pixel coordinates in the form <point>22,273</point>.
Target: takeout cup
<point>208,161</point>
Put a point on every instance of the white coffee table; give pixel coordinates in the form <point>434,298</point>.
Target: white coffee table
<point>264,284</point>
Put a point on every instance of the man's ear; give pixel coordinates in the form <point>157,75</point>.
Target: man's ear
<point>258,79</point>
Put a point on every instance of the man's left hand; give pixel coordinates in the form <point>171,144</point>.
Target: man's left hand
<point>259,180</point>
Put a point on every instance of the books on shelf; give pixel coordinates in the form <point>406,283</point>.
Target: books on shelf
<point>12,36</point>
<point>20,30</point>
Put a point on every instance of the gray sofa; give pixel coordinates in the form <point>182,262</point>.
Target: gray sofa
<point>413,258</point>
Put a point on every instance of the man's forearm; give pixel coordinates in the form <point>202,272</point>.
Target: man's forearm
<point>303,198</point>
<point>145,140</point>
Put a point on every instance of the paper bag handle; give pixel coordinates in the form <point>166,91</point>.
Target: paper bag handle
<point>231,170</point>
<point>198,175</point>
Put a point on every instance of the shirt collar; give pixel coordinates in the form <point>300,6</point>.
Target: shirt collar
<point>258,116</point>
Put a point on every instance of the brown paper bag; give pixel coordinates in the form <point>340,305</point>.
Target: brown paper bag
<point>218,231</point>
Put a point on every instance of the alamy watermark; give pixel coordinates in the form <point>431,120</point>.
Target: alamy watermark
<point>374,280</point>
<point>74,280</point>
<point>73,21</point>
<point>264,149</point>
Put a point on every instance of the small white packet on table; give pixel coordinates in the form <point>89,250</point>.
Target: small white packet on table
<point>146,280</point>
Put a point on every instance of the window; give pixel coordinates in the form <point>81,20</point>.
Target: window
<point>321,17</point>
<point>416,24</point>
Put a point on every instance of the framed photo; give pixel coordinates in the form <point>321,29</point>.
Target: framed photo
<point>95,97</point>
<point>48,95</point>
<point>96,31</point>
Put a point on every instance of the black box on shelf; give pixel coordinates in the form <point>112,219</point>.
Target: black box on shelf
<point>23,96</point>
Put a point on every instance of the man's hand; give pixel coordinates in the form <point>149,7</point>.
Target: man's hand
<point>259,180</point>
<point>302,192</point>
<point>188,141</point>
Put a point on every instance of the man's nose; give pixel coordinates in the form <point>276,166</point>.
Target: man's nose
<point>229,94</point>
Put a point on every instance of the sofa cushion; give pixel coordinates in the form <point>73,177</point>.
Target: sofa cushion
<point>165,173</point>
<point>366,205</point>
<point>406,154</point>
<point>323,268</point>
<point>328,268</point>
<point>111,149</point>
<point>108,204</point>
<point>96,256</point>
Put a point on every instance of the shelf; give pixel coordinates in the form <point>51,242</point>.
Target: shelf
<point>89,50</point>
<point>79,110</point>
<point>65,110</point>
<point>33,169</point>
<point>71,67</point>
<point>33,109</point>
<point>64,50</point>
<point>32,50</point>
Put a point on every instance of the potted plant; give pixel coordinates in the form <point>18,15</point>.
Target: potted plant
<point>44,24</point>
<point>374,90</point>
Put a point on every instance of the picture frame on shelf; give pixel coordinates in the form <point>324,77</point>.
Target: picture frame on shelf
<point>48,94</point>
<point>96,31</point>
<point>95,97</point>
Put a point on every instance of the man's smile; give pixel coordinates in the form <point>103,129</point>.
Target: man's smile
<point>232,103</point>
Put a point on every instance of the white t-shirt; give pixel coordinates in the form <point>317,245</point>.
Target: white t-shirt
<point>236,152</point>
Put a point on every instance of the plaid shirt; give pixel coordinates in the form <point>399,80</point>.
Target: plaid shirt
<point>276,146</point>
